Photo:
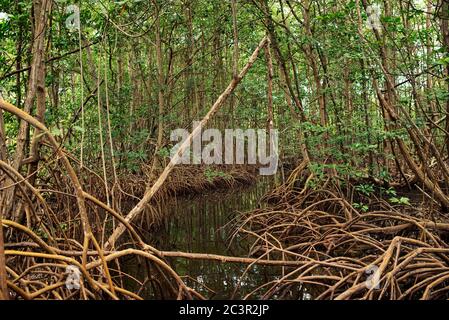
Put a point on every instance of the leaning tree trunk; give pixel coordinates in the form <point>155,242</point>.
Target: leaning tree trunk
<point>159,182</point>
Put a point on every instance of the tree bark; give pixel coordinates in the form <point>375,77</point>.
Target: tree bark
<point>445,37</point>
<point>36,84</point>
<point>3,276</point>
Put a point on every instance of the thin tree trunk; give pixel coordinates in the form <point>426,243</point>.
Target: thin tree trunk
<point>235,56</point>
<point>310,53</point>
<point>3,276</point>
<point>41,9</point>
<point>3,150</point>
<point>161,85</point>
<point>429,79</point>
<point>445,36</point>
<point>269,87</point>
<point>285,77</point>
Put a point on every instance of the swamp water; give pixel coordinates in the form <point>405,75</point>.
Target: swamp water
<point>199,224</point>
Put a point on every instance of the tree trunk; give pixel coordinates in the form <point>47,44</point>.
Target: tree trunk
<point>36,84</point>
<point>445,38</point>
<point>3,275</point>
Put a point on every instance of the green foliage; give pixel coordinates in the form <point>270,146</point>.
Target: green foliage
<point>211,174</point>
<point>367,189</point>
<point>362,207</point>
<point>197,53</point>
<point>164,152</point>
<point>132,160</point>
<point>401,200</point>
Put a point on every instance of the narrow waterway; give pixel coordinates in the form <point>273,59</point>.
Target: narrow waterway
<point>198,224</point>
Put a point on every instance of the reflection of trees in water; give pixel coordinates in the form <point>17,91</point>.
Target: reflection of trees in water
<point>200,224</point>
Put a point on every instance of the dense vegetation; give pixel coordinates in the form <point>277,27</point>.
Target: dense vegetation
<point>359,92</point>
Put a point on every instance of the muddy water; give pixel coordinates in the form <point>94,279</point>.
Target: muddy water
<point>196,224</point>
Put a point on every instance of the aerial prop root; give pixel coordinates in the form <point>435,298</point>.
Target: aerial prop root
<point>48,256</point>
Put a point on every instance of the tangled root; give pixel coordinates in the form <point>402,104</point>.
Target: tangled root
<point>61,256</point>
<point>55,256</point>
<point>346,253</point>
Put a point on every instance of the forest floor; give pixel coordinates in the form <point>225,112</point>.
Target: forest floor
<point>352,240</point>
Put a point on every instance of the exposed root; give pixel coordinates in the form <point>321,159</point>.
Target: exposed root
<point>61,256</point>
<point>347,253</point>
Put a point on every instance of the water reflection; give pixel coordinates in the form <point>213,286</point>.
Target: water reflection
<point>196,224</point>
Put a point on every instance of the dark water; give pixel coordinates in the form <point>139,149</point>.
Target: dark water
<point>197,224</point>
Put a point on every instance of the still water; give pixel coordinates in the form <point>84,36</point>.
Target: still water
<point>198,224</point>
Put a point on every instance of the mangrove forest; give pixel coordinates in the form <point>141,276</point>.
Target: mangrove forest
<point>224,150</point>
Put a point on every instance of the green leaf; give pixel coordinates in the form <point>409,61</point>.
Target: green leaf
<point>56,132</point>
<point>78,128</point>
